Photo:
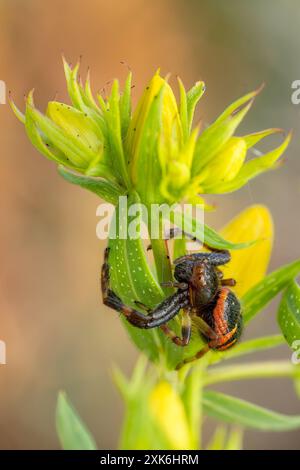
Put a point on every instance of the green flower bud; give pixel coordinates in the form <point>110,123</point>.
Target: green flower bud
<point>154,138</point>
<point>226,164</point>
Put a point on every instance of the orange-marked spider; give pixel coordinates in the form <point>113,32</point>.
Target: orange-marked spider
<point>201,292</point>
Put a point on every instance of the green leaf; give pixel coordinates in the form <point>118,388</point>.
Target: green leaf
<point>87,95</point>
<point>72,432</point>
<point>73,86</point>
<point>179,248</point>
<point>191,397</point>
<point>217,134</point>
<point>255,137</point>
<point>289,314</point>
<point>103,188</point>
<point>270,369</point>
<point>193,96</point>
<point>19,115</point>
<point>183,112</point>
<point>234,410</point>
<point>207,235</point>
<point>125,106</point>
<point>263,292</point>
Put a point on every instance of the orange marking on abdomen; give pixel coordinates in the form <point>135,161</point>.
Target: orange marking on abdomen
<point>226,346</point>
<point>220,326</point>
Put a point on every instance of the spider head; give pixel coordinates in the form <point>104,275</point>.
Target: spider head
<point>184,271</point>
<point>201,276</point>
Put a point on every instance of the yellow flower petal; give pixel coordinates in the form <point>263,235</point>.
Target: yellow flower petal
<point>170,120</point>
<point>248,266</point>
<point>168,411</point>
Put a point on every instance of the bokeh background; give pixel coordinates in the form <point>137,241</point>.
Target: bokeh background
<point>58,334</point>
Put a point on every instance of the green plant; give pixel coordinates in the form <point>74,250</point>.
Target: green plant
<point>100,146</point>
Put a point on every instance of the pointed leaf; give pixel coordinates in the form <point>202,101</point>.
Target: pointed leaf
<point>217,134</point>
<point>193,96</point>
<point>72,433</point>
<point>113,120</point>
<point>233,410</point>
<point>103,188</point>
<point>183,112</point>
<point>19,115</point>
<point>208,234</point>
<point>263,292</point>
<point>255,137</point>
<point>125,106</point>
<point>289,315</point>
<point>270,369</point>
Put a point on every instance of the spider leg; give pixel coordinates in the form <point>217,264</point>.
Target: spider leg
<point>186,327</point>
<point>177,285</point>
<point>164,312</point>
<point>168,309</point>
<point>143,306</point>
<point>228,282</point>
<point>205,329</point>
<point>216,257</point>
<point>220,342</point>
<point>220,273</point>
<point>174,231</point>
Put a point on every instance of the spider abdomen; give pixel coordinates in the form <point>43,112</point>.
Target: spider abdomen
<point>223,315</point>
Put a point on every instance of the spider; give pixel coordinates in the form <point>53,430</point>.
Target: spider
<point>201,292</point>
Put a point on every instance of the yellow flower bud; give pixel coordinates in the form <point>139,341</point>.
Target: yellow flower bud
<point>154,137</point>
<point>169,413</point>
<point>76,124</point>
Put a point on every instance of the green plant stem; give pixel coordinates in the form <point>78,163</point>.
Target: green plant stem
<point>254,370</point>
<point>162,259</point>
<point>192,381</point>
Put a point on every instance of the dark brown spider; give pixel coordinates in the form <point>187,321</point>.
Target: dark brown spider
<point>201,292</point>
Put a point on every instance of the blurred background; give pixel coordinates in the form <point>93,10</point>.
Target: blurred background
<point>58,334</point>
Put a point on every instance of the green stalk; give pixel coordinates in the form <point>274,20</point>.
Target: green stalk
<point>192,398</point>
<point>162,258</point>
